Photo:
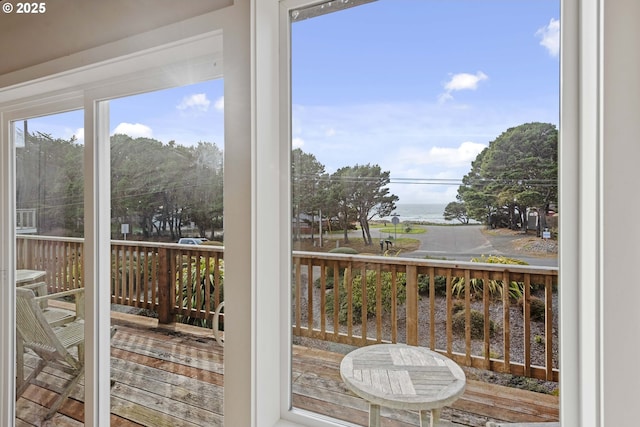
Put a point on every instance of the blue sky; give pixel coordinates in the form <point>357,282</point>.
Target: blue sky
<point>419,87</point>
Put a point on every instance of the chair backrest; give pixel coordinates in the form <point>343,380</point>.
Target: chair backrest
<point>33,328</point>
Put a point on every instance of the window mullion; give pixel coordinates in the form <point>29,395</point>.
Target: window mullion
<point>97,263</point>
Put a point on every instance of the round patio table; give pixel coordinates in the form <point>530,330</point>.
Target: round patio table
<point>405,377</point>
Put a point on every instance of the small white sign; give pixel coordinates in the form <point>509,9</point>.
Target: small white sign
<point>546,234</point>
<point>125,228</point>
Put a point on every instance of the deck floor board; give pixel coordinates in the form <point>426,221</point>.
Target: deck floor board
<point>169,378</point>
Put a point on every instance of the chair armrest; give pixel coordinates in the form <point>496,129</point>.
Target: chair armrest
<point>39,289</point>
<point>79,299</point>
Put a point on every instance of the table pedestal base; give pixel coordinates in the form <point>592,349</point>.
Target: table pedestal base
<point>428,418</point>
<point>374,415</point>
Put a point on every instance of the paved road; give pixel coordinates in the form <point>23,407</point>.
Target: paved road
<point>465,242</point>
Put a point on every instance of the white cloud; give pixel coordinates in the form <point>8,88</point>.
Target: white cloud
<point>446,157</point>
<point>465,81</point>
<point>219,104</point>
<point>297,143</point>
<point>330,132</point>
<point>195,102</point>
<point>550,37</point>
<point>134,130</point>
<point>461,81</point>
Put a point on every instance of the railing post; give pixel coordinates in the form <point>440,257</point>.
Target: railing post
<point>412,305</point>
<point>165,303</point>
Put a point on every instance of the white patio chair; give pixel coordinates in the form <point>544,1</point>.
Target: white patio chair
<point>57,316</point>
<point>52,344</point>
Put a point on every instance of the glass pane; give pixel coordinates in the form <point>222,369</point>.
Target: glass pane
<point>424,146</point>
<point>50,230</point>
<point>167,255</point>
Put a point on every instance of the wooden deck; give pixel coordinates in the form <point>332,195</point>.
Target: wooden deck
<point>175,378</point>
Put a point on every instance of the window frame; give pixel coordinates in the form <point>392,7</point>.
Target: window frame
<point>580,260</point>
<point>176,64</point>
<point>257,131</point>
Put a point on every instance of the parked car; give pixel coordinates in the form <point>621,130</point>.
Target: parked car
<point>192,240</point>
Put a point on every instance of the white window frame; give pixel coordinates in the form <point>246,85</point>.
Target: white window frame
<point>580,250</point>
<point>185,61</point>
<point>257,143</point>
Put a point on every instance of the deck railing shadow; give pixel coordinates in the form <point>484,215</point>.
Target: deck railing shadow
<point>379,299</point>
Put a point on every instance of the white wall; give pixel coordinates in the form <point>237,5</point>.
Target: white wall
<point>621,204</point>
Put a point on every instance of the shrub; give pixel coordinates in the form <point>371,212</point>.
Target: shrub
<point>458,306</point>
<point>477,324</point>
<point>330,278</point>
<point>440,284</point>
<point>189,279</point>
<point>495,286</point>
<point>536,308</point>
<point>371,286</point>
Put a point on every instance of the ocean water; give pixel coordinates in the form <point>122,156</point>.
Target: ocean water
<point>420,212</point>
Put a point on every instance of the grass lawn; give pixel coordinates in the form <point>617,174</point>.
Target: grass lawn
<point>402,244</point>
<point>401,229</point>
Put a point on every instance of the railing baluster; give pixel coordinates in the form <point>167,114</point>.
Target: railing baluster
<point>117,277</point>
<point>527,325</point>
<point>365,304</point>
<point>310,316</point>
<point>336,299</point>
<point>131,278</point>
<point>323,299</point>
<point>394,304</point>
<point>379,313</point>
<point>432,308</point>
<point>467,317</point>
<point>548,327</point>
<point>207,286</point>
<point>166,285</point>
<point>449,313</point>
<point>486,301</point>
<point>139,274</point>
<point>506,321</point>
<point>298,297</point>
<point>412,305</point>
<point>348,282</point>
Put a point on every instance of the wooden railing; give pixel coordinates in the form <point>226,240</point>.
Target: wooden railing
<point>168,279</point>
<point>426,317</point>
<point>401,300</point>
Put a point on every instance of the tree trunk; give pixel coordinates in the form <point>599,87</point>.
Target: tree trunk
<point>366,232</point>
<point>346,229</point>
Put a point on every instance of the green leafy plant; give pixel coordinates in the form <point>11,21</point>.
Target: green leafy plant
<point>439,281</point>
<point>198,288</point>
<point>371,289</point>
<point>495,286</point>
